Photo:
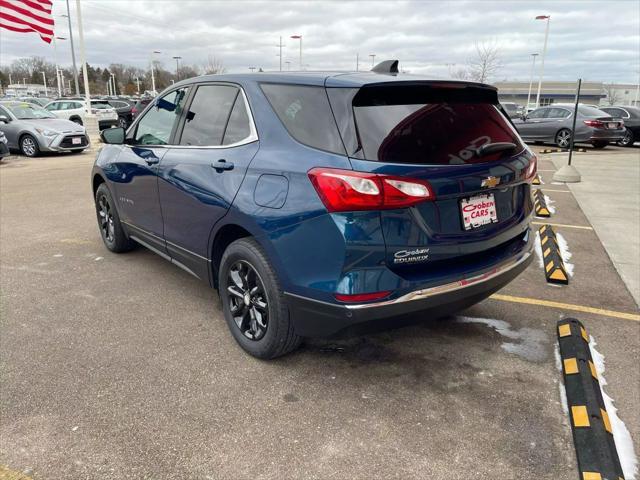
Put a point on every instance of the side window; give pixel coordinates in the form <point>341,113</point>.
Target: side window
<point>558,113</point>
<point>75,105</point>
<point>540,113</point>
<point>238,127</point>
<point>157,124</point>
<point>52,106</point>
<point>4,112</point>
<point>208,115</point>
<point>306,114</point>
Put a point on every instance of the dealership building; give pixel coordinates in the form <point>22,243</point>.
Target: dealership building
<point>595,93</point>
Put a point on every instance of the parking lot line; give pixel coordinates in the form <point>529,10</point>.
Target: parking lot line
<point>566,306</point>
<point>581,227</point>
<point>558,191</point>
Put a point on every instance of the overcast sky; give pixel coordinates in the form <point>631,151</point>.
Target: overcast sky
<point>595,40</point>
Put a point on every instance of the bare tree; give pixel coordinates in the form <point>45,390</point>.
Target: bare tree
<point>213,65</point>
<point>613,95</point>
<point>486,63</point>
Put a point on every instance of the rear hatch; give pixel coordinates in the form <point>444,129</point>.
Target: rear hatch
<point>456,137</point>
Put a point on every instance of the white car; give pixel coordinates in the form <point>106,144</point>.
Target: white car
<point>73,110</point>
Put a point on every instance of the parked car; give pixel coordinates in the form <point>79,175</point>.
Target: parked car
<point>513,109</point>
<point>315,202</point>
<point>74,110</point>
<point>32,129</point>
<point>631,118</point>
<point>40,101</point>
<point>140,105</point>
<point>554,123</point>
<point>124,108</point>
<point>4,145</point>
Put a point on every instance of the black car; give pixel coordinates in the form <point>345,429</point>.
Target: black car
<point>124,107</point>
<point>631,118</point>
<point>4,145</point>
<point>140,105</point>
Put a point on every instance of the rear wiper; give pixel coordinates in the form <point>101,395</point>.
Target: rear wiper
<point>496,147</point>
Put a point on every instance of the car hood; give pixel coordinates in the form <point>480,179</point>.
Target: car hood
<point>56,124</point>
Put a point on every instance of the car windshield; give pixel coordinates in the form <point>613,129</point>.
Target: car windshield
<point>100,105</point>
<point>27,111</point>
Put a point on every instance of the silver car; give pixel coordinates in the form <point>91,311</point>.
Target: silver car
<point>553,124</point>
<point>31,129</point>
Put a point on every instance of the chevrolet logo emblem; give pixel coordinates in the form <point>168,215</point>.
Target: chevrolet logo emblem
<point>490,182</point>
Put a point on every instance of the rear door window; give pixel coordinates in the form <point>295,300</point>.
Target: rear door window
<point>306,114</point>
<point>239,126</point>
<point>208,115</point>
<point>540,113</point>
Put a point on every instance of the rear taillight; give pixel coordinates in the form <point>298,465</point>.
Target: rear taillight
<point>594,123</point>
<point>134,111</point>
<point>361,297</point>
<point>532,169</point>
<point>348,190</point>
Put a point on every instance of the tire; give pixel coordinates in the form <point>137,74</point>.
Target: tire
<point>29,146</point>
<point>599,145</point>
<point>262,327</point>
<point>109,224</point>
<point>77,120</point>
<point>628,139</point>
<point>563,138</point>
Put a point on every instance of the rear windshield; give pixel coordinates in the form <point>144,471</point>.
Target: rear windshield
<point>445,133</point>
<point>587,111</point>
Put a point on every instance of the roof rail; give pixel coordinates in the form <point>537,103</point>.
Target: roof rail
<point>387,67</point>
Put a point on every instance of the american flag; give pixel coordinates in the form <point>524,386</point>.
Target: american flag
<point>27,16</point>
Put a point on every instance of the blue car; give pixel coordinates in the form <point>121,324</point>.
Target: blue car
<point>315,202</point>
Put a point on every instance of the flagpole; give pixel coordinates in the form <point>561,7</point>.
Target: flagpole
<point>83,60</point>
<point>73,51</point>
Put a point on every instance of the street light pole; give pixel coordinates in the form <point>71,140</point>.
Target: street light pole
<point>373,59</point>
<point>177,59</point>
<point>533,67</point>
<point>544,53</point>
<point>73,51</point>
<point>44,81</point>
<point>357,61</point>
<point>153,78</point>
<point>137,85</point>
<point>83,59</point>
<point>299,37</point>
<point>280,45</point>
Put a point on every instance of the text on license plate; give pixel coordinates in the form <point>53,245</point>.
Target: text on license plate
<point>478,210</point>
<point>76,141</point>
<point>612,125</point>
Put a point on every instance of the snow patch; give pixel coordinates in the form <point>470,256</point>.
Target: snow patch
<point>528,344</point>
<point>621,435</point>
<point>537,246</point>
<point>565,253</point>
<point>550,203</point>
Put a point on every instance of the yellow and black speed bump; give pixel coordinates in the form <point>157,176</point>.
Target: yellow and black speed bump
<point>540,204</point>
<point>592,435</point>
<point>554,269</point>
<point>536,180</point>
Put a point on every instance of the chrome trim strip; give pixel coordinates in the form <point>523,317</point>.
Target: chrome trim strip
<point>432,291</point>
<point>166,241</point>
<point>449,287</point>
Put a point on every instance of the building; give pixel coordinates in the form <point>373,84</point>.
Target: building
<point>594,93</point>
<point>27,90</point>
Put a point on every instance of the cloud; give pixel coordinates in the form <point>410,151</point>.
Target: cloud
<point>594,40</point>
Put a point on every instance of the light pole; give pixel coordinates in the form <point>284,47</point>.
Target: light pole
<point>299,37</point>
<point>280,45</point>
<point>55,56</point>
<point>544,52</point>
<point>137,85</point>
<point>114,88</point>
<point>73,51</point>
<point>252,69</point>
<point>153,78</point>
<point>288,63</point>
<point>357,61</point>
<point>10,81</point>
<point>44,82</point>
<point>373,59</point>
<point>533,67</point>
<point>177,59</point>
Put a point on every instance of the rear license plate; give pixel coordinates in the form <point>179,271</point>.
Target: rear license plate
<point>612,126</point>
<point>478,210</point>
<point>76,141</point>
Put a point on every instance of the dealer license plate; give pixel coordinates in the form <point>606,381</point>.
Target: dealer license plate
<point>478,210</point>
<point>76,141</point>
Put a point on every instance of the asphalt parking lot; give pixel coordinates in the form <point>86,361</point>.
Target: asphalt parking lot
<point>121,366</point>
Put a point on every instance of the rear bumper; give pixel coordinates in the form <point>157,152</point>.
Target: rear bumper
<point>598,135</point>
<point>316,318</point>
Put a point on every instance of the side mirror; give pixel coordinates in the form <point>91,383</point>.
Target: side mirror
<point>4,119</point>
<point>114,136</point>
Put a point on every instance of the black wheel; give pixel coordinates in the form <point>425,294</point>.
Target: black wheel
<point>599,145</point>
<point>252,301</point>
<point>29,146</point>
<point>122,122</point>
<point>77,120</point>
<point>111,230</point>
<point>628,139</point>
<point>563,138</point>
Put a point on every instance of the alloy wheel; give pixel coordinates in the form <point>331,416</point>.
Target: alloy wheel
<point>29,146</point>
<point>106,219</point>
<point>247,300</point>
<point>627,140</point>
<point>563,138</point>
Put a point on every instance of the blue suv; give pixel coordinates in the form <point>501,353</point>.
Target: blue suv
<point>318,201</point>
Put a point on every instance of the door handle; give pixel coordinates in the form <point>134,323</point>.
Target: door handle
<point>222,164</point>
